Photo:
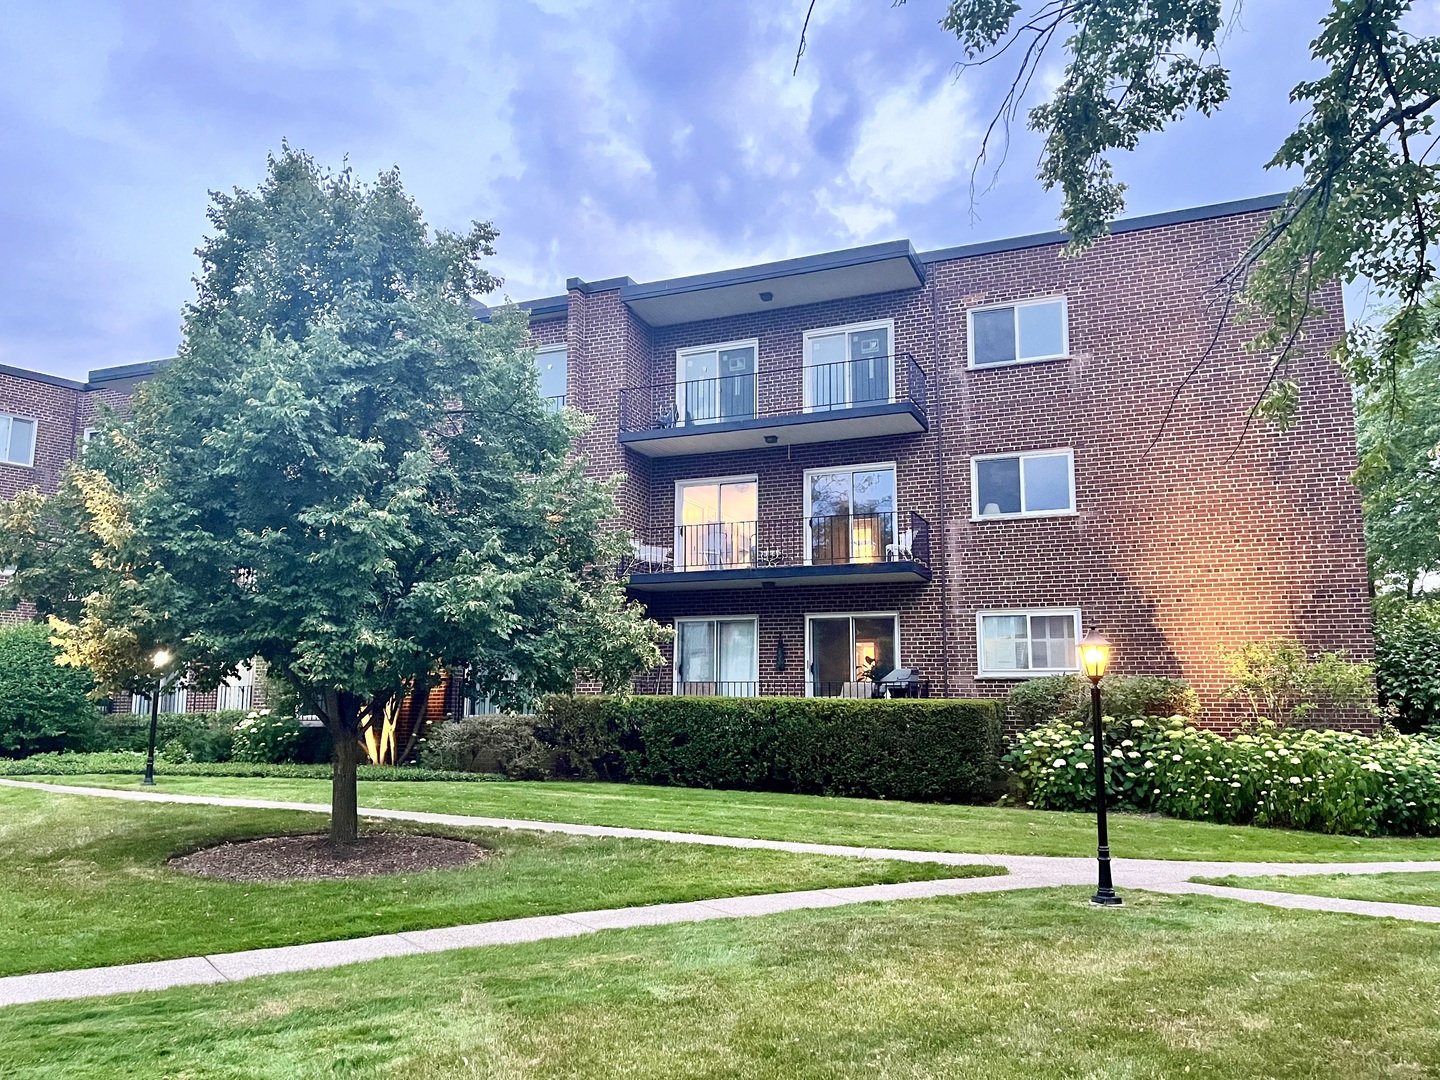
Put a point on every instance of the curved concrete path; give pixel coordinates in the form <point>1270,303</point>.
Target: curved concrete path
<point>1022,872</point>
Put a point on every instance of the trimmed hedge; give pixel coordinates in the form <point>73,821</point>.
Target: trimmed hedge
<point>129,762</point>
<point>942,750</point>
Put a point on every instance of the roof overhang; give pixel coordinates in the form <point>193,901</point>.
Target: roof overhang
<point>814,279</point>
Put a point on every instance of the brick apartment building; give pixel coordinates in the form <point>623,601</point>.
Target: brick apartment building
<point>950,461</point>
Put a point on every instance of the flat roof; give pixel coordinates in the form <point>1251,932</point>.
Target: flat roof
<point>866,270</point>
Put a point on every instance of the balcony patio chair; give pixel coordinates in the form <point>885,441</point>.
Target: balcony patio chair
<point>654,557</point>
<point>903,548</point>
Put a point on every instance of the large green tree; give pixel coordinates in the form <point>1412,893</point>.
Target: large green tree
<point>347,474</point>
<point>1399,475</point>
<point>1367,204</point>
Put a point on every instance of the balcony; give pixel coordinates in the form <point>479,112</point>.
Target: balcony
<point>868,548</point>
<point>664,682</point>
<point>850,399</point>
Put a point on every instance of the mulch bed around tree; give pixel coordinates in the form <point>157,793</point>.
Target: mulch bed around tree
<point>313,858</point>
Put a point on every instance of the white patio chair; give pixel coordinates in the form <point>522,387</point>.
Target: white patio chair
<point>654,556</point>
<point>902,548</point>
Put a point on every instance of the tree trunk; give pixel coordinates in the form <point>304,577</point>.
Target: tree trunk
<point>342,718</point>
<point>344,802</point>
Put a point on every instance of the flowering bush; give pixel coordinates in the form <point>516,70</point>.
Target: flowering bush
<point>265,738</point>
<point>1322,781</point>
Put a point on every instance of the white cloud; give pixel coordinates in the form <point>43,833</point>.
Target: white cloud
<point>911,148</point>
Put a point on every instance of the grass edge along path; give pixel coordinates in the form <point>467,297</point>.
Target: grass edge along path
<point>870,823</point>
<point>1011,986</point>
<point>84,881</point>
<point>1421,887</point>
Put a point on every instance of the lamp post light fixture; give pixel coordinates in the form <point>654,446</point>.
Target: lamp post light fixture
<point>160,661</point>
<point>1094,659</point>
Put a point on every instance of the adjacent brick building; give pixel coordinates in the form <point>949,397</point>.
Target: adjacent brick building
<point>950,462</point>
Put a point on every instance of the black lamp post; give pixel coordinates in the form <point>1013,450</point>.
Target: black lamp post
<point>1095,658</point>
<point>160,659</point>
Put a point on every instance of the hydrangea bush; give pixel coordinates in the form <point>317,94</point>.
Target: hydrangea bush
<point>1322,781</point>
<point>266,738</point>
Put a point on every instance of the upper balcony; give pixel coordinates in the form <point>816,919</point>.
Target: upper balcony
<point>811,403</point>
<point>818,550</point>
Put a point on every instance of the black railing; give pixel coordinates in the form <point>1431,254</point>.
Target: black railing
<point>789,391</point>
<point>556,402</point>
<point>819,540</point>
<point>663,682</point>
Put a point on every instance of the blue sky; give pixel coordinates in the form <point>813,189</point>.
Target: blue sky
<point>605,138</point>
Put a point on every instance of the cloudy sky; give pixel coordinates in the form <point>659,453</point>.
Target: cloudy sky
<point>603,138</point>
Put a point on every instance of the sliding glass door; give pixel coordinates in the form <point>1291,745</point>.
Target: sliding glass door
<point>849,652</point>
<point>849,514</point>
<point>715,657</point>
<point>716,522</point>
<point>848,367</point>
<point>716,384</point>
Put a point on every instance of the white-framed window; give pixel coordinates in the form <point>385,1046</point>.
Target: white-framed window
<point>717,657</point>
<point>1021,643</point>
<point>238,691</point>
<point>715,522</point>
<point>174,701</point>
<point>554,364</point>
<point>850,515</point>
<point>17,440</point>
<point>1020,332</point>
<point>89,433</point>
<point>850,367</point>
<point>717,384</point>
<point>846,653</point>
<point>1036,483</point>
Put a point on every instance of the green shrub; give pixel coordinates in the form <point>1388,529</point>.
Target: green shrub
<point>132,763</point>
<point>1067,697</point>
<point>267,739</point>
<point>1281,682</point>
<point>497,743</point>
<point>42,706</point>
<point>1322,781</point>
<point>203,736</point>
<point>940,750</point>
<point>1407,664</point>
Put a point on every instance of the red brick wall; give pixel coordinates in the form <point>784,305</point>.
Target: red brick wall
<point>1177,551</point>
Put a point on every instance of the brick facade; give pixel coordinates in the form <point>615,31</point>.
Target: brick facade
<point>1177,550</point>
<point>1187,537</point>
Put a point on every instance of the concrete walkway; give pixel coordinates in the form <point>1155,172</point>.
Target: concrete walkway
<point>1022,872</point>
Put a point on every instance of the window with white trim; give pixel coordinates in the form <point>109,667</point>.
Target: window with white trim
<point>716,657</point>
<point>17,440</point>
<point>1031,484</point>
<point>1017,644</point>
<point>1019,333</point>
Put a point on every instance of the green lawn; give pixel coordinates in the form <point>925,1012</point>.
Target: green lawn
<point>84,882</point>
<point>1417,888</point>
<point>866,822</point>
<point>1028,985</point>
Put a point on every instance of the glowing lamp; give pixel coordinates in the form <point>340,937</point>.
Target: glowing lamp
<point>1094,655</point>
<point>161,658</point>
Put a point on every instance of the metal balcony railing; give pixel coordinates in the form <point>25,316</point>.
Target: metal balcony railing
<point>663,682</point>
<point>819,540</point>
<point>775,393</point>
